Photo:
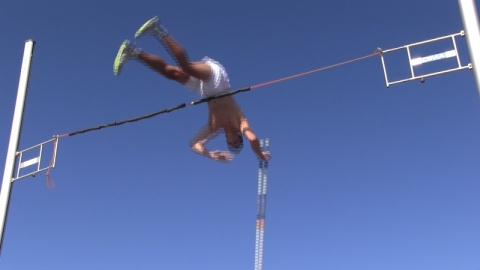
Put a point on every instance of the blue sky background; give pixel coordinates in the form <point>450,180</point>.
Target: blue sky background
<point>362,176</point>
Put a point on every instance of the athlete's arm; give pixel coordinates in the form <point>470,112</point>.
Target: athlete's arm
<point>252,138</point>
<point>198,142</point>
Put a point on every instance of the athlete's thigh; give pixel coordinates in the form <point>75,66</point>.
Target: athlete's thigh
<point>199,70</point>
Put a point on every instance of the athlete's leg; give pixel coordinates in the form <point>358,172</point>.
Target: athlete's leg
<point>128,51</point>
<point>162,67</point>
<point>153,27</point>
<point>198,70</point>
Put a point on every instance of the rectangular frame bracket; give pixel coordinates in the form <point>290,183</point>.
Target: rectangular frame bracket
<point>22,164</point>
<point>426,59</point>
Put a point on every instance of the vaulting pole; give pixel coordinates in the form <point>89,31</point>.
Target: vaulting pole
<point>261,207</point>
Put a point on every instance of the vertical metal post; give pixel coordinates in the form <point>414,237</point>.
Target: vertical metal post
<point>15,136</point>
<point>456,52</point>
<point>468,11</point>
<point>384,68</point>
<point>410,61</point>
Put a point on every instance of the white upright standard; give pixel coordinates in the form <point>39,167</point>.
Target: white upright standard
<point>472,33</point>
<point>15,136</point>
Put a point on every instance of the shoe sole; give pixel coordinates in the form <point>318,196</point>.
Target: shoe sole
<point>117,63</point>
<point>144,26</point>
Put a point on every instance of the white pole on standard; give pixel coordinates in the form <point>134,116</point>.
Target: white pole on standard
<point>472,32</point>
<point>15,136</point>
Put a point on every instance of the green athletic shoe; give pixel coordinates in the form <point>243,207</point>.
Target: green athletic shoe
<point>152,27</point>
<point>125,52</point>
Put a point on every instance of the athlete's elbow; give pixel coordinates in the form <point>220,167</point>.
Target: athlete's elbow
<point>193,148</point>
<point>197,147</point>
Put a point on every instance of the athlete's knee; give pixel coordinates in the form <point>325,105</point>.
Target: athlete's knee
<point>170,74</point>
<point>176,74</point>
<point>187,67</point>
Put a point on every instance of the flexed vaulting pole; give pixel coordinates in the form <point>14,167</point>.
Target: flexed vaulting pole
<point>261,207</point>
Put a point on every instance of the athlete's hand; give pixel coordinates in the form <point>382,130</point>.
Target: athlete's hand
<point>221,156</point>
<point>265,156</point>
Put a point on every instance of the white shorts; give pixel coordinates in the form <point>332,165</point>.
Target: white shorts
<point>217,83</point>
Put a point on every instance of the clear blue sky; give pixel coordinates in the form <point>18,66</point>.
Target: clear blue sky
<point>362,176</point>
